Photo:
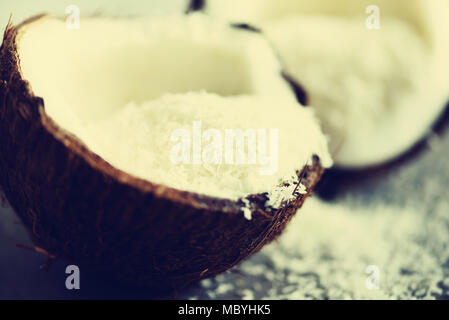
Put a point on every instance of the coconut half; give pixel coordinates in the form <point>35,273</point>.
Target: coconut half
<point>377,91</point>
<point>87,118</point>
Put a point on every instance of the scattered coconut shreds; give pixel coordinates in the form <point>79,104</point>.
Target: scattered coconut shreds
<point>283,193</point>
<point>246,209</point>
<point>331,251</point>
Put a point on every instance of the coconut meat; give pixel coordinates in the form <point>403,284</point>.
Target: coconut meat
<point>107,63</point>
<point>374,100</point>
<point>376,92</point>
<point>126,87</point>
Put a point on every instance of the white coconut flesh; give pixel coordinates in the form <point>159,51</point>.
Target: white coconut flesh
<point>376,91</point>
<point>127,88</point>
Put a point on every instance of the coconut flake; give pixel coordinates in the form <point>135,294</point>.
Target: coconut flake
<point>302,189</point>
<point>246,209</point>
<point>281,194</point>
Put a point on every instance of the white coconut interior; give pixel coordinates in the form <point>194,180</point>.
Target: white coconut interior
<point>107,62</point>
<point>124,87</point>
<point>376,92</point>
<point>144,133</point>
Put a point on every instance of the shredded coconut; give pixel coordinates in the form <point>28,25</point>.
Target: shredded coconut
<point>329,251</point>
<point>246,209</point>
<point>302,189</point>
<point>280,194</point>
<point>136,139</point>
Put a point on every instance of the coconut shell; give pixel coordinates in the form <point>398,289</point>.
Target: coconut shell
<point>337,182</point>
<point>78,206</point>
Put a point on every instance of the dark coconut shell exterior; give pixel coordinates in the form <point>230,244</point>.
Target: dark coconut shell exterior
<point>76,205</point>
